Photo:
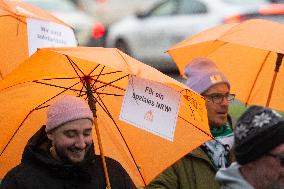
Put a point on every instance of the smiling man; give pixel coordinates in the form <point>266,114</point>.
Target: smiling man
<point>61,154</point>
<point>197,169</point>
<point>71,141</point>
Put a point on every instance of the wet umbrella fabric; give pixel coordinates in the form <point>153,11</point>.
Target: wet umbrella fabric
<point>18,37</point>
<point>249,53</point>
<point>32,87</point>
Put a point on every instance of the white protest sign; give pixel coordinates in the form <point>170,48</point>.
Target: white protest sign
<point>151,106</point>
<point>48,34</point>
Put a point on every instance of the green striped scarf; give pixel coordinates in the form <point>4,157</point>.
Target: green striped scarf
<point>218,148</point>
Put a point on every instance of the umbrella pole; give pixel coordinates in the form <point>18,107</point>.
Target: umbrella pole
<point>276,70</point>
<point>92,104</point>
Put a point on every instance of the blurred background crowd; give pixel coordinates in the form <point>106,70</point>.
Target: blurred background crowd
<point>145,29</point>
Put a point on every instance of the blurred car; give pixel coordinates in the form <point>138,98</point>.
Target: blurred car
<point>110,11</point>
<point>273,12</point>
<point>147,35</point>
<point>86,27</point>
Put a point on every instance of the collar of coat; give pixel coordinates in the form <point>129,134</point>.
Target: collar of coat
<point>200,154</point>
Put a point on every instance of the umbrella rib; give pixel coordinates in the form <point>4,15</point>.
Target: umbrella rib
<point>110,94</point>
<point>100,74</point>
<point>276,70</point>
<point>257,75</point>
<point>192,110</point>
<point>196,127</point>
<point>108,73</point>
<point>110,116</point>
<point>13,15</point>
<point>1,75</point>
<point>46,79</point>
<point>109,84</point>
<point>36,108</point>
<point>57,86</point>
<point>35,81</point>
<point>95,69</point>
<point>78,76</point>
<point>97,77</point>
<point>5,147</point>
<point>81,91</point>
<point>119,52</point>
<point>38,81</point>
<point>66,88</point>
<point>72,63</point>
<point>103,106</point>
<point>106,84</point>
<point>132,85</point>
<point>215,49</point>
<point>95,92</point>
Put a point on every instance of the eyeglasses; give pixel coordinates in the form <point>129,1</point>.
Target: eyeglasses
<point>218,98</point>
<point>280,157</point>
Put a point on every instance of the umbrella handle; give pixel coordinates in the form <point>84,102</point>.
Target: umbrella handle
<point>102,153</point>
<point>276,70</point>
<point>92,104</point>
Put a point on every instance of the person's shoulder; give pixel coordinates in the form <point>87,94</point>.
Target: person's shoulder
<point>111,163</point>
<point>199,156</point>
<point>109,159</point>
<point>17,170</point>
<point>98,159</point>
<point>15,174</point>
<point>197,153</point>
<point>117,173</point>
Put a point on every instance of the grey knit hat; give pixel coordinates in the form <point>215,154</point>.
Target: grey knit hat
<point>202,73</point>
<point>257,131</point>
<point>65,109</point>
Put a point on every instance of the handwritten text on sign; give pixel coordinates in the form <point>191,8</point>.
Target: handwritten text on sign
<point>48,34</point>
<point>151,106</point>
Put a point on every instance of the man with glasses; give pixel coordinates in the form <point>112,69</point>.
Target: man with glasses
<point>259,150</point>
<point>198,168</point>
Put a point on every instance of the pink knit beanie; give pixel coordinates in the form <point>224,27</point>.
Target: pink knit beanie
<point>65,109</point>
<point>202,74</point>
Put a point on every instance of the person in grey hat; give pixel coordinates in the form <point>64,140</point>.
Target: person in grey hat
<point>198,168</point>
<point>259,151</point>
<point>61,154</point>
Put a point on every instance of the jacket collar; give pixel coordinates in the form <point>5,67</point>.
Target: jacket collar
<point>199,153</point>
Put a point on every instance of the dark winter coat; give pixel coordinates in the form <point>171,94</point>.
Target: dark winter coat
<point>193,171</point>
<point>38,170</point>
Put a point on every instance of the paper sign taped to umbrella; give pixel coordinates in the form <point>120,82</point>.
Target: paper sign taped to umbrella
<point>151,106</point>
<point>48,34</point>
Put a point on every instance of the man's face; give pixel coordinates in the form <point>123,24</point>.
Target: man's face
<point>269,174</point>
<point>72,140</point>
<point>217,112</point>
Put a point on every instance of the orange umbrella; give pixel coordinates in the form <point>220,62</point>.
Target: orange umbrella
<point>100,75</point>
<point>20,34</point>
<point>249,53</point>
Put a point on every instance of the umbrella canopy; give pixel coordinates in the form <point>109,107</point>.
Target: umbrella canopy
<point>26,93</point>
<point>249,53</point>
<point>24,28</point>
